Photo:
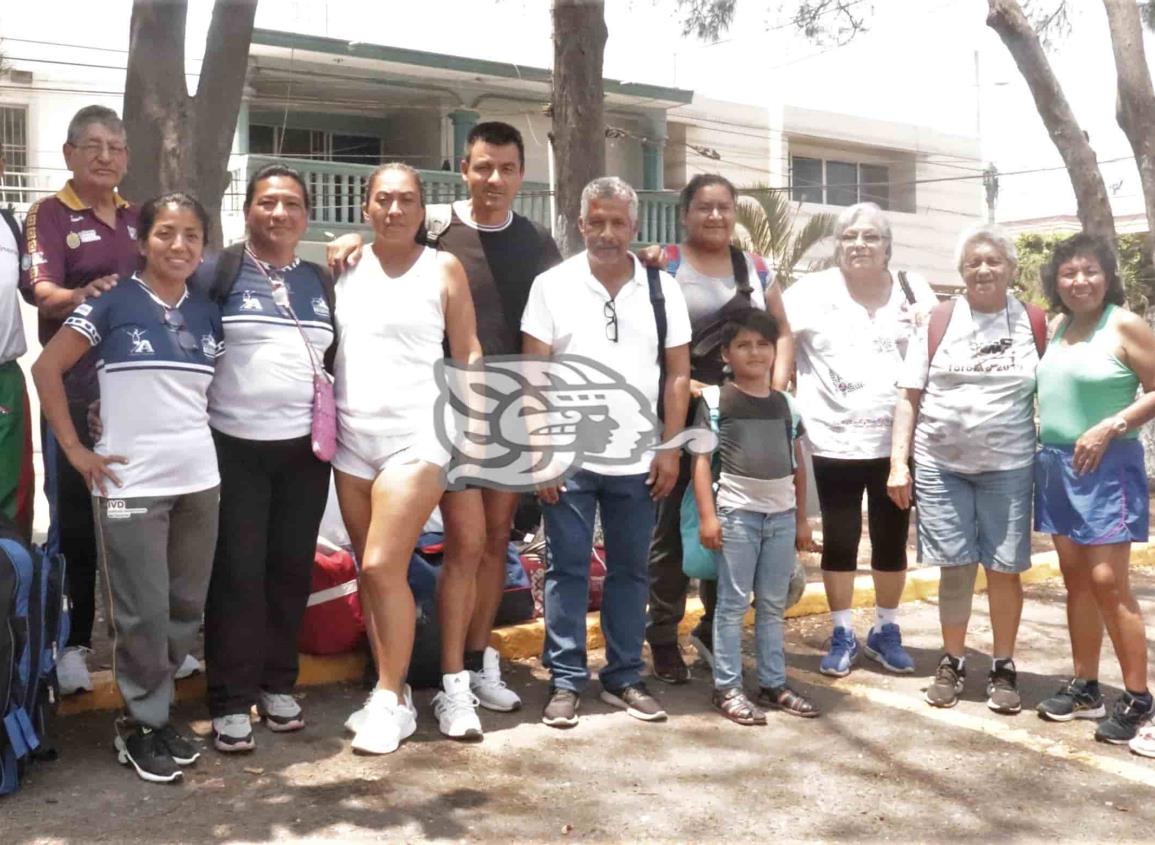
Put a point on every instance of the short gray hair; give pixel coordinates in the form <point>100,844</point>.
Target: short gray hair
<point>89,115</point>
<point>609,188</point>
<point>873,214</point>
<point>988,233</point>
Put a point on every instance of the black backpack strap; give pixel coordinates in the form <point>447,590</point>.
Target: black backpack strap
<point>329,291</point>
<point>905,285</point>
<point>741,272</point>
<point>658,301</point>
<point>228,268</point>
<point>10,219</point>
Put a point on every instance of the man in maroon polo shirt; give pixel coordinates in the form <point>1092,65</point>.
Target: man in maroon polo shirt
<point>77,243</point>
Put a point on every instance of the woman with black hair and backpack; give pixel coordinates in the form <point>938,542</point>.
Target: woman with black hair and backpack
<point>717,280</point>
<point>277,313</point>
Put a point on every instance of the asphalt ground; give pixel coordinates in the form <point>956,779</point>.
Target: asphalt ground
<point>879,764</point>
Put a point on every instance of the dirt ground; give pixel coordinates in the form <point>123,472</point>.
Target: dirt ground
<point>879,765</point>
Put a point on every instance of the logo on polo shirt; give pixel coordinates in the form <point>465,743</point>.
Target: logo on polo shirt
<point>209,346</point>
<point>249,302</point>
<point>320,307</point>
<point>141,345</point>
<point>517,423</point>
<point>73,240</point>
<point>131,232</point>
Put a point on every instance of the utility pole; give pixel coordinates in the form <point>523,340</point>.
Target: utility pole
<point>991,184</point>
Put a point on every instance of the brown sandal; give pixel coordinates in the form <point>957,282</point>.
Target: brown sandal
<point>735,706</point>
<point>784,698</point>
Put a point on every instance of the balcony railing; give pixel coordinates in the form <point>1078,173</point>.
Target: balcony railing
<point>336,189</point>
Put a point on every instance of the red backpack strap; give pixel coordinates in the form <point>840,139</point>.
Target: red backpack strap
<point>939,319</point>
<point>1038,318</point>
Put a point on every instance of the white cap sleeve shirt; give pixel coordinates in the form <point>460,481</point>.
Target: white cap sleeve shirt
<point>566,309</point>
<point>848,362</point>
<point>977,412</point>
<point>12,343</point>
<point>153,392</point>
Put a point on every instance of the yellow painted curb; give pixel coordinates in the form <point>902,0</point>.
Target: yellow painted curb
<point>517,642</point>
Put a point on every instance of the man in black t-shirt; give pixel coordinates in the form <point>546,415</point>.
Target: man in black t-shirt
<point>502,252</point>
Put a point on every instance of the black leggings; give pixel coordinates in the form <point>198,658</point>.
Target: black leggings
<point>841,484</point>
<point>273,493</point>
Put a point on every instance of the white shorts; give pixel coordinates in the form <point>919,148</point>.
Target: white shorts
<point>366,456</point>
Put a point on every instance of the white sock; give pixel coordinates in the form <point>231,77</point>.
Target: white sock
<point>884,616</point>
<point>842,619</point>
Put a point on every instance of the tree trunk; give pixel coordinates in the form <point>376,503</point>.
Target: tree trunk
<point>178,142</point>
<point>579,131</point>
<point>1007,19</point>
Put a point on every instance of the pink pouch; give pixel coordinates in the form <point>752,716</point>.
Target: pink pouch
<point>324,433</point>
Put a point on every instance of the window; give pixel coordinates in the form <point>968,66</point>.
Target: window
<point>356,149</point>
<point>14,146</point>
<point>289,142</point>
<point>839,182</point>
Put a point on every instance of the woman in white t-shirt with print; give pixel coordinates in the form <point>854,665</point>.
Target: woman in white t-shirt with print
<point>967,391</point>
<point>852,325</point>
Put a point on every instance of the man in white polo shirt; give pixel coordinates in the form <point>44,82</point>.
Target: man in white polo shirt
<point>600,304</point>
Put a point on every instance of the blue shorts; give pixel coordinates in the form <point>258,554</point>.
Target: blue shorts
<point>1108,505</point>
<point>981,517</point>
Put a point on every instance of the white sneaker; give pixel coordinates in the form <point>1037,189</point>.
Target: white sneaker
<point>72,670</point>
<point>456,708</point>
<point>233,732</point>
<point>385,724</point>
<point>357,717</point>
<point>1144,742</point>
<point>280,711</point>
<point>490,689</point>
<point>189,667</point>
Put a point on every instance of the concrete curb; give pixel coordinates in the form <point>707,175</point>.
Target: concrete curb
<point>517,642</point>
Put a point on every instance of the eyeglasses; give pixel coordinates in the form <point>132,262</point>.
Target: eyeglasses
<point>611,314</point>
<point>95,148</point>
<point>868,238</point>
<point>174,321</point>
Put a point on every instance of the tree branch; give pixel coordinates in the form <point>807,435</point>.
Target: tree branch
<point>1007,19</point>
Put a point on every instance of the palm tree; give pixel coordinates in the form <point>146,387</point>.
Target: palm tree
<point>768,225</point>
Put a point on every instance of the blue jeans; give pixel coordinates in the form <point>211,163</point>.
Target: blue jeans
<point>627,523</point>
<point>757,556</point>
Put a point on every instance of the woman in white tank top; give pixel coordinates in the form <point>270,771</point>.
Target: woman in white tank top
<point>393,310</point>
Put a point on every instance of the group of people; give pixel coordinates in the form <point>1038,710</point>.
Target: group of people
<point>180,394</point>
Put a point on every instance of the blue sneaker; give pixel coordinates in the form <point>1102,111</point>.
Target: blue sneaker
<point>885,647</point>
<point>843,652</point>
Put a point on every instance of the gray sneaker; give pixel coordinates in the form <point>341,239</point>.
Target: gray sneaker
<point>948,682</point>
<point>636,700</point>
<point>561,709</point>
<point>1003,689</point>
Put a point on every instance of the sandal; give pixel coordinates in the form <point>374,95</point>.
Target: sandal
<point>786,699</point>
<point>735,706</point>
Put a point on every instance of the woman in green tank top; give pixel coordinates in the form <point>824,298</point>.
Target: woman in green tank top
<point>1091,490</point>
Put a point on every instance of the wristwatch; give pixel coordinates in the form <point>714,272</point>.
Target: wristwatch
<point>1119,424</point>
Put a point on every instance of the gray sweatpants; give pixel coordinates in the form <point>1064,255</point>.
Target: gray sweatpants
<point>157,556</point>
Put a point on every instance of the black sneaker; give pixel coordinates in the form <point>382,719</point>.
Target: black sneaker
<point>636,700</point>
<point>181,749</point>
<point>948,682</point>
<point>144,750</point>
<point>1127,716</point>
<point>702,638</point>
<point>668,663</point>
<point>1003,688</point>
<point>561,709</point>
<point>1073,701</point>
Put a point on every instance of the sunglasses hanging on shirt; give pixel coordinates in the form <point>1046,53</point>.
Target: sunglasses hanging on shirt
<point>174,321</point>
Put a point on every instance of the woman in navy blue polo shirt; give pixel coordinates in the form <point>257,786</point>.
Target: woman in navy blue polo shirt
<point>153,472</point>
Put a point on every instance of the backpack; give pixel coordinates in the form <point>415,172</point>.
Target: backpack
<point>333,622</point>
<point>228,267</point>
<point>700,562</point>
<point>438,216</point>
<point>940,318</point>
<point>33,627</point>
<point>741,276</point>
<point>658,303</point>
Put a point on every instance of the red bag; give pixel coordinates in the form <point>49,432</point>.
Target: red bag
<point>333,623</point>
<point>534,567</point>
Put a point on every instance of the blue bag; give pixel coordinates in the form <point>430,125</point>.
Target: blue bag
<point>698,561</point>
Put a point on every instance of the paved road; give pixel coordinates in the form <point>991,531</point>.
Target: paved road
<point>880,764</point>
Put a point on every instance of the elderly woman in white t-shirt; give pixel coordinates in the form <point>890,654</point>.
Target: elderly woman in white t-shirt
<point>967,393</point>
<point>852,325</point>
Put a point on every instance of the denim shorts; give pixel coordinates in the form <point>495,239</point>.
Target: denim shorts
<point>981,517</point>
<point>1108,505</point>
